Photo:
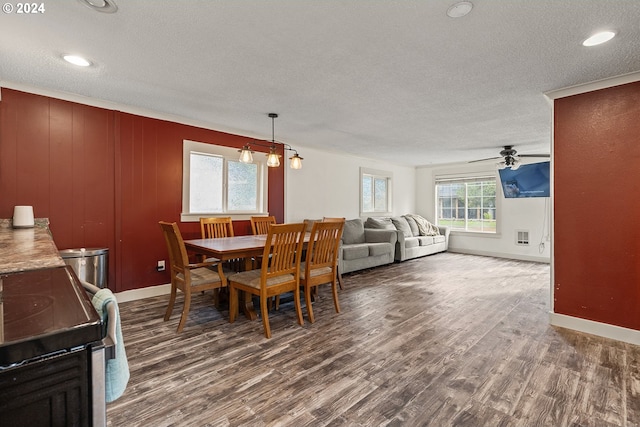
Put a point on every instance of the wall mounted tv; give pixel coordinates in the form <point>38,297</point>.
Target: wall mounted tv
<point>530,180</point>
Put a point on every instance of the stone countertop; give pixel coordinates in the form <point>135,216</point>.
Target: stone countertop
<point>27,248</point>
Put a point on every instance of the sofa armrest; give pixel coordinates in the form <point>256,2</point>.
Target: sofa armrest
<point>445,231</point>
<point>373,235</point>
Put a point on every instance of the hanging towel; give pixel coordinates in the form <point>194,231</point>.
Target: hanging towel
<point>117,370</point>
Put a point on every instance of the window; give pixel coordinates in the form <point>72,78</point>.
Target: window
<point>375,192</point>
<point>215,183</point>
<point>467,204</point>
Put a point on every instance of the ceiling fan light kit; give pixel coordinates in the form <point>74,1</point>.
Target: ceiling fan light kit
<point>510,158</point>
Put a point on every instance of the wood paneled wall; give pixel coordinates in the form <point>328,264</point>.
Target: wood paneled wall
<point>104,179</point>
<point>596,206</point>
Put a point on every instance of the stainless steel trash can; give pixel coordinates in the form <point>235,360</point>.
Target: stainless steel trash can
<point>90,264</point>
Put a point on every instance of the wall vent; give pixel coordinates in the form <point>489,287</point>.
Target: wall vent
<point>522,237</point>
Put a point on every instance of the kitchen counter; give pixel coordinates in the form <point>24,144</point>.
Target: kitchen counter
<point>26,249</point>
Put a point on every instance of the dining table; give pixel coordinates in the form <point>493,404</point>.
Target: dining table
<point>237,247</point>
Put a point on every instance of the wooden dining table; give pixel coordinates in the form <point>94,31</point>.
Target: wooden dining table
<point>238,247</point>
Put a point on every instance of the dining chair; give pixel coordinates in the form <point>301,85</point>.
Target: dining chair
<point>186,277</point>
<point>260,224</point>
<point>215,227</point>
<point>283,248</point>
<point>321,264</point>
<point>342,220</point>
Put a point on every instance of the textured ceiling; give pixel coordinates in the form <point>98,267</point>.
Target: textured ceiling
<point>392,80</point>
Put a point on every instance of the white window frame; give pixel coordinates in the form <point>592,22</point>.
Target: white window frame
<point>377,174</point>
<point>471,177</point>
<point>228,154</point>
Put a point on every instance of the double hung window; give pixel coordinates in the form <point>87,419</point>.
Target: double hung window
<point>375,192</point>
<point>215,182</point>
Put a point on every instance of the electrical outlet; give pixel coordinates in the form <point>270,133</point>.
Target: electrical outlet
<point>160,266</point>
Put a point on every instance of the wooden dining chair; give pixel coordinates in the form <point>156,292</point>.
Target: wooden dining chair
<point>188,278</point>
<point>260,224</point>
<point>342,220</point>
<point>216,227</point>
<point>321,263</point>
<point>281,274</point>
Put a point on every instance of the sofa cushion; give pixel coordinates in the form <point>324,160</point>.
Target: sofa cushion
<point>413,225</point>
<point>439,239</point>
<point>355,251</point>
<point>379,224</point>
<point>376,249</point>
<point>411,242</point>
<point>353,231</point>
<point>425,240</point>
<point>401,224</point>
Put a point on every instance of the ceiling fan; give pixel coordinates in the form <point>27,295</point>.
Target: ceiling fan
<point>510,157</point>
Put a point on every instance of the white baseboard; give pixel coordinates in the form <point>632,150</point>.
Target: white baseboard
<point>605,330</point>
<point>542,259</point>
<point>136,294</point>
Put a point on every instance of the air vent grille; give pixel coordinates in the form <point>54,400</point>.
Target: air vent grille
<point>522,237</point>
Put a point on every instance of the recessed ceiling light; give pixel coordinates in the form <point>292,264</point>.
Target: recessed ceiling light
<point>599,38</point>
<point>106,6</point>
<point>459,9</point>
<point>76,60</point>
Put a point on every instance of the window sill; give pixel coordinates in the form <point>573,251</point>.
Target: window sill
<point>475,234</point>
<point>187,217</point>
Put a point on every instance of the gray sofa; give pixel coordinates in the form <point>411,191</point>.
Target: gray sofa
<point>364,248</point>
<point>411,241</point>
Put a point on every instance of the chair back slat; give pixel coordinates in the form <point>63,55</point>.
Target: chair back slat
<point>260,224</point>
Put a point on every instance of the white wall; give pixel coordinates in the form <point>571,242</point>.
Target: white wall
<point>329,185</point>
<point>530,214</point>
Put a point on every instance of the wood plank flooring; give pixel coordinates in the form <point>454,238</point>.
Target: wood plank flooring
<point>445,340</point>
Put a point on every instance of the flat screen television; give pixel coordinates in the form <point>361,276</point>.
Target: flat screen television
<point>530,180</point>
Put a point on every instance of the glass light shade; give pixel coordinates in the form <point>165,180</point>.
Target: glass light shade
<point>273,159</point>
<point>295,162</point>
<point>245,155</point>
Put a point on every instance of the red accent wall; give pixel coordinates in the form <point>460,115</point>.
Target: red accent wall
<point>596,206</point>
<point>104,179</point>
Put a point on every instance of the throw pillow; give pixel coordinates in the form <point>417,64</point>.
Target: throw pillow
<point>379,224</point>
<point>353,231</point>
<point>413,225</point>
<point>402,225</point>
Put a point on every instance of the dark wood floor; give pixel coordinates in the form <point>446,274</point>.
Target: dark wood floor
<point>445,340</point>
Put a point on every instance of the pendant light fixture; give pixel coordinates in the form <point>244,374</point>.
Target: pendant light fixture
<point>273,158</point>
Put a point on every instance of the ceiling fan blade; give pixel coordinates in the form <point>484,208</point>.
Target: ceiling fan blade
<point>534,155</point>
<point>484,160</point>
